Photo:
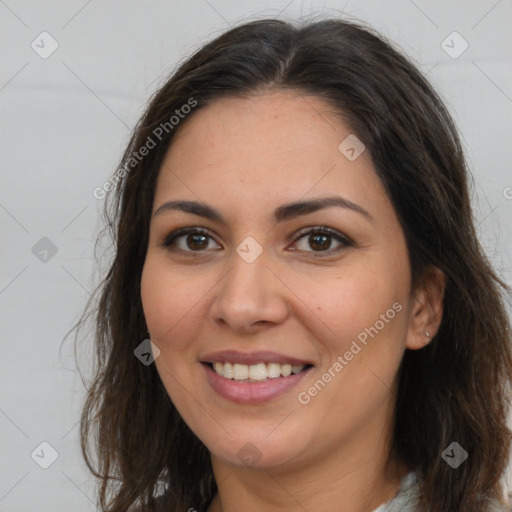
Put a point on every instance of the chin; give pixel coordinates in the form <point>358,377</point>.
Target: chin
<point>258,451</point>
<point>251,456</point>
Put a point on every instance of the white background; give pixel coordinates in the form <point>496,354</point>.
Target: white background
<point>64,123</point>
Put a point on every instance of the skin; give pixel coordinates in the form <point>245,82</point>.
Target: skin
<point>245,157</point>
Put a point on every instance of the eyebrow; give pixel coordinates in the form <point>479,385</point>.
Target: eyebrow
<point>283,213</point>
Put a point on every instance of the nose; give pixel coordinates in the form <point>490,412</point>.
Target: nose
<point>251,297</point>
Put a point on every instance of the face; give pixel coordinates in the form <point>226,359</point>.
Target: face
<point>263,278</point>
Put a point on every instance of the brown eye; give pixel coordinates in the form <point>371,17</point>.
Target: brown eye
<point>320,242</point>
<point>320,239</point>
<point>188,240</point>
<point>196,242</point>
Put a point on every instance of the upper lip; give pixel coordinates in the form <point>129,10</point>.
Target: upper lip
<point>250,358</point>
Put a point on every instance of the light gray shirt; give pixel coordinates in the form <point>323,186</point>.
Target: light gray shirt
<point>406,499</point>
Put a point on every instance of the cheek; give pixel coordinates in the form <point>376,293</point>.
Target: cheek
<point>174,301</point>
<point>171,303</point>
<point>165,296</point>
<point>362,320</point>
<point>155,299</point>
<point>346,304</point>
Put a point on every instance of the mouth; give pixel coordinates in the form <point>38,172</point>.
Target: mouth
<point>254,373</point>
<point>253,378</point>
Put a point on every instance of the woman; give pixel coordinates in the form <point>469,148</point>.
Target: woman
<point>293,233</point>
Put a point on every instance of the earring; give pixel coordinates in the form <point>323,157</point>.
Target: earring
<point>427,334</point>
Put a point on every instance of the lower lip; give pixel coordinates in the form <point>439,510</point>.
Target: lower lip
<point>252,392</point>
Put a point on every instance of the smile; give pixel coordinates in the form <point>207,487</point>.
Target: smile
<point>253,377</point>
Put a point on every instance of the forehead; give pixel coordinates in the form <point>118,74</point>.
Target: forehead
<point>283,123</point>
<point>266,149</point>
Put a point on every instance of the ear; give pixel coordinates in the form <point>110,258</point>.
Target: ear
<point>427,310</point>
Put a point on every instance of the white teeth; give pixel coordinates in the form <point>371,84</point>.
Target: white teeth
<point>286,369</point>
<point>273,370</point>
<point>227,371</point>
<point>256,372</point>
<point>240,371</point>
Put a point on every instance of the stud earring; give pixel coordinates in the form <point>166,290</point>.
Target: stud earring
<point>427,334</point>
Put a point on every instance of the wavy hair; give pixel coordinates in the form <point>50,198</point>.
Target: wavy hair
<point>457,388</point>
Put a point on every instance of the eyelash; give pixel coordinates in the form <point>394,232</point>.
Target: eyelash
<point>169,241</point>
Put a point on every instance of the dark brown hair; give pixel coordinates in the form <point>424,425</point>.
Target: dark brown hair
<point>457,388</point>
